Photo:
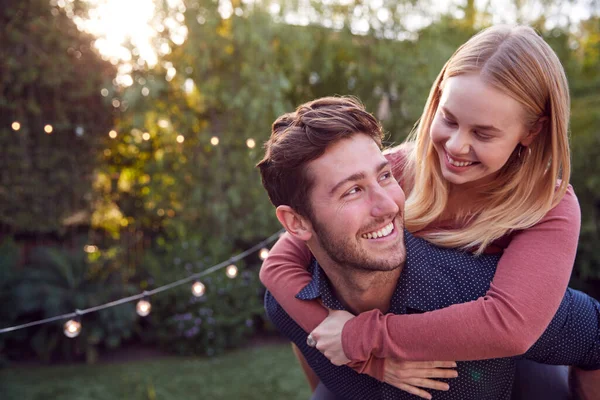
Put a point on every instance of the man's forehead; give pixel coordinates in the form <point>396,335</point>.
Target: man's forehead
<point>359,154</point>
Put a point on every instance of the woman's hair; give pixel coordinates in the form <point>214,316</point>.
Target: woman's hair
<point>516,61</point>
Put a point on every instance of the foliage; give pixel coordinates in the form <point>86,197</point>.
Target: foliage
<point>9,256</point>
<point>224,317</point>
<point>585,127</point>
<point>162,200</point>
<point>56,282</point>
<point>49,75</point>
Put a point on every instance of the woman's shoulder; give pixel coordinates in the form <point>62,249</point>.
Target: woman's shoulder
<point>568,206</point>
<point>562,219</point>
<point>398,157</point>
<point>399,152</point>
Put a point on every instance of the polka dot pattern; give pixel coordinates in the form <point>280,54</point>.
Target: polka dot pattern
<point>434,278</point>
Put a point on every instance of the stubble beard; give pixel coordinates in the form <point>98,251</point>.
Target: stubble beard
<point>349,255</point>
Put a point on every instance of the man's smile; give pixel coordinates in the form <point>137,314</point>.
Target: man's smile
<point>380,233</point>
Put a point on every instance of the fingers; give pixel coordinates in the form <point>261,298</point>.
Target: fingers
<point>427,364</point>
<point>432,373</point>
<point>413,390</point>
<point>427,383</point>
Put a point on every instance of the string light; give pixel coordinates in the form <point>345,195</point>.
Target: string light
<point>16,126</point>
<point>146,136</point>
<point>48,129</point>
<point>143,307</point>
<point>180,138</point>
<point>198,289</point>
<point>72,327</point>
<point>231,271</point>
<point>264,253</point>
<point>90,248</point>
<point>250,143</point>
<point>112,134</point>
<point>214,140</point>
<point>143,302</point>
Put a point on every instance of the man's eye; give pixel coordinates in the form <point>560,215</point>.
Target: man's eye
<point>352,191</point>
<point>386,175</point>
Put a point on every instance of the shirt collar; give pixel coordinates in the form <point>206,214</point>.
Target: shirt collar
<point>319,286</point>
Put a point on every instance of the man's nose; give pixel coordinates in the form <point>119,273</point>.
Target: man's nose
<point>383,203</point>
<point>458,143</point>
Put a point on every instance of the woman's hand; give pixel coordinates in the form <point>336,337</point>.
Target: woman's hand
<point>328,336</point>
<point>410,376</point>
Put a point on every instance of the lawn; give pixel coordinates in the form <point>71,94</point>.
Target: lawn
<point>265,372</point>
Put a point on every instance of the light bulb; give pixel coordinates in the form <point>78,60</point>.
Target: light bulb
<point>263,254</point>
<point>48,129</point>
<point>214,140</point>
<point>72,328</point>
<point>231,271</point>
<point>180,138</point>
<point>16,126</point>
<point>198,289</point>
<point>112,134</point>
<point>250,143</point>
<point>143,308</point>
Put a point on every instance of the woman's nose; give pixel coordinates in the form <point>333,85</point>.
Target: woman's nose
<point>458,143</point>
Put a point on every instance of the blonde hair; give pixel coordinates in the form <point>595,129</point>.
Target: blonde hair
<point>516,61</point>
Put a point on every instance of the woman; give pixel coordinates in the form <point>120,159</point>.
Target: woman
<point>486,170</point>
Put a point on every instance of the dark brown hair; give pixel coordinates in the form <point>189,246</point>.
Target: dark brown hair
<point>302,136</point>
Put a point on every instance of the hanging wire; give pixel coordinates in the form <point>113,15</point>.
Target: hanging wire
<point>148,293</point>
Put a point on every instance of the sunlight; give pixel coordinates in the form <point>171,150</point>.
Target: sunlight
<point>117,22</point>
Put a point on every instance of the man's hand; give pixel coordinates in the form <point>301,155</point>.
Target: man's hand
<point>328,336</point>
<point>410,376</point>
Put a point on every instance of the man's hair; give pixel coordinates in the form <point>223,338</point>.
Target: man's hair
<point>303,136</point>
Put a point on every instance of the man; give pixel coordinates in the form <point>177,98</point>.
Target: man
<point>333,188</point>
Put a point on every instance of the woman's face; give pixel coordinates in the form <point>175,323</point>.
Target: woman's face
<point>475,130</point>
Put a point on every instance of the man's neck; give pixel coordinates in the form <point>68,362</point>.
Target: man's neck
<point>361,291</point>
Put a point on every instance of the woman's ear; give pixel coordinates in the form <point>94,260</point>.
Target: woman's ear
<point>296,225</point>
<point>534,131</point>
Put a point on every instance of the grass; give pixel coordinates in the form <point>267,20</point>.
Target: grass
<point>266,372</point>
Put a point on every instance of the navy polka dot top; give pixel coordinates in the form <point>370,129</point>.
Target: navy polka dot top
<point>434,278</point>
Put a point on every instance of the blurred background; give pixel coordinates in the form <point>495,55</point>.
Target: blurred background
<point>129,131</point>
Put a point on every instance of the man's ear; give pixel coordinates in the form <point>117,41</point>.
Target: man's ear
<point>297,225</point>
<point>534,131</point>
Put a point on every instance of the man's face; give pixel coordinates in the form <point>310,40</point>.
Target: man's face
<point>358,206</point>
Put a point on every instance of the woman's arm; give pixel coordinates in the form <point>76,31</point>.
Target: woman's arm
<point>284,271</point>
<point>529,284</point>
<point>284,274</point>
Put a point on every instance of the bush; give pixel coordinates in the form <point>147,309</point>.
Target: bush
<point>57,281</point>
<point>224,317</point>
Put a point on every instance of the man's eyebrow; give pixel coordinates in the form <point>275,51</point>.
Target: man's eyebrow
<point>357,176</point>
<point>482,127</point>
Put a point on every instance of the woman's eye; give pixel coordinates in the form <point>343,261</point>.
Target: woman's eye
<point>482,136</point>
<point>448,121</point>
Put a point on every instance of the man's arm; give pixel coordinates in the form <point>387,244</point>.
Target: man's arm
<point>311,377</point>
<point>573,338</point>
